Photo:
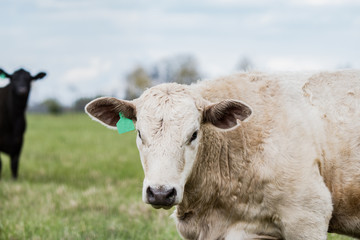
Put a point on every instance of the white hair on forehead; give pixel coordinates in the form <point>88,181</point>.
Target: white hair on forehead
<point>165,98</point>
<point>166,105</point>
<point>164,92</point>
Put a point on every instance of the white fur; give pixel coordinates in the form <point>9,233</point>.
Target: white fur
<point>163,147</point>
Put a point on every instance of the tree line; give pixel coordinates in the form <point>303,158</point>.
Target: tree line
<point>183,69</point>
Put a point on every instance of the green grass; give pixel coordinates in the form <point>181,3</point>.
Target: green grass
<point>79,180</point>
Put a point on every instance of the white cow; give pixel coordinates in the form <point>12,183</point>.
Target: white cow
<point>250,155</point>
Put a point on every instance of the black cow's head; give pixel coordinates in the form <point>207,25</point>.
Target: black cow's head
<point>21,80</point>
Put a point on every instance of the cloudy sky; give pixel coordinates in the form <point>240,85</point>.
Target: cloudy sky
<point>88,46</point>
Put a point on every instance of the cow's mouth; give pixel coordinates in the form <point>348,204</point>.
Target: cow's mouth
<point>166,207</point>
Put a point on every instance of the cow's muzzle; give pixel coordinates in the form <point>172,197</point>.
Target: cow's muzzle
<point>161,197</point>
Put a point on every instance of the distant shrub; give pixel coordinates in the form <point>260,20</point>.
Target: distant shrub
<point>53,106</point>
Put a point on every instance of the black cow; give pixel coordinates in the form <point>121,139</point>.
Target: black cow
<point>13,102</point>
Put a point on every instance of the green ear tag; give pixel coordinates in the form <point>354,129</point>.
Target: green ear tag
<point>124,124</point>
<point>2,75</point>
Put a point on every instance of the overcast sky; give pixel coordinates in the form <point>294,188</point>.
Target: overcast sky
<point>88,46</point>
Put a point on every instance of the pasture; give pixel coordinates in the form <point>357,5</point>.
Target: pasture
<point>78,180</point>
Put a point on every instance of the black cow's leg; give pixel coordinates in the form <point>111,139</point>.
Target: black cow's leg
<point>0,167</point>
<point>15,164</point>
<point>15,157</point>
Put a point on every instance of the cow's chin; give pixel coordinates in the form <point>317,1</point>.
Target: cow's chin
<point>161,206</point>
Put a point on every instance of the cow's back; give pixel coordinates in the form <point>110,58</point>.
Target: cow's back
<point>336,96</point>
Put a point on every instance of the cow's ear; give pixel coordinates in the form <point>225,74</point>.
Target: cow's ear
<point>225,114</point>
<point>39,76</point>
<point>106,110</point>
<point>4,74</point>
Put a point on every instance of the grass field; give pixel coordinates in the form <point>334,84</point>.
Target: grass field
<point>79,180</point>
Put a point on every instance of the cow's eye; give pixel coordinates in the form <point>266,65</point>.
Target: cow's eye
<point>193,137</point>
<point>139,134</point>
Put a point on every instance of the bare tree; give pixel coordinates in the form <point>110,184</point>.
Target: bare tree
<point>137,81</point>
<point>182,69</point>
<point>245,64</point>
<point>187,72</point>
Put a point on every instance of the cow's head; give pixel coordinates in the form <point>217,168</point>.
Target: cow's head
<point>21,80</point>
<point>168,121</point>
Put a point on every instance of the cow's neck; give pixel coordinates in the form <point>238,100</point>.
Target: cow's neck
<point>19,103</point>
<point>218,178</point>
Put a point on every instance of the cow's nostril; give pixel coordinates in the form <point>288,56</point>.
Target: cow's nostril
<point>150,194</point>
<point>171,194</point>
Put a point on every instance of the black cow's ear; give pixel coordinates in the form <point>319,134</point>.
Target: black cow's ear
<point>225,114</point>
<point>3,73</point>
<point>39,76</point>
<point>106,110</point>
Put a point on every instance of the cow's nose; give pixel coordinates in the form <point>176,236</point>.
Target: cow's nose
<point>22,90</point>
<point>161,196</point>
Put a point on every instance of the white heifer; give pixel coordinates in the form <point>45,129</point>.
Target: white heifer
<point>250,154</point>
